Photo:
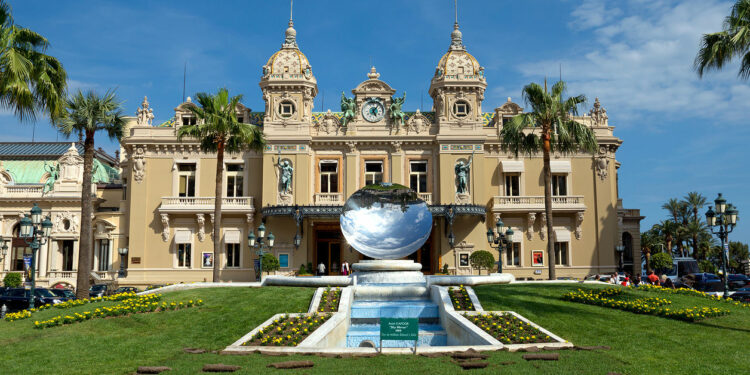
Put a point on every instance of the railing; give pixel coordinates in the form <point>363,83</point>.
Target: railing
<point>23,190</point>
<point>522,203</point>
<point>205,203</point>
<point>61,274</point>
<point>328,199</point>
<point>426,197</point>
<point>105,275</point>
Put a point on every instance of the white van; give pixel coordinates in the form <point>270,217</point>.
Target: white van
<point>681,266</point>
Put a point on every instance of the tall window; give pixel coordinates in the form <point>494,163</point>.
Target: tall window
<point>512,185</point>
<point>559,184</point>
<point>103,255</point>
<point>418,176</point>
<point>513,257</point>
<point>373,172</point>
<point>561,253</point>
<point>186,176</point>
<point>329,176</point>
<point>184,255</point>
<point>18,252</point>
<point>233,255</point>
<point>67,255</point>
<point>234,179</point>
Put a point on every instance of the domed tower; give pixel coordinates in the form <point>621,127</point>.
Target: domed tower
<point>457,88</point>
<point>289,88</point>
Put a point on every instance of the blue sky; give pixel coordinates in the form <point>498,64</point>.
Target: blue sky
<point>680,133</point>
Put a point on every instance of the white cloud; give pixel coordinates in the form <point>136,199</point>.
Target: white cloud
<point>641,62</point>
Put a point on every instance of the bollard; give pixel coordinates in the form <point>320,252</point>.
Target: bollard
<point>3,311</point>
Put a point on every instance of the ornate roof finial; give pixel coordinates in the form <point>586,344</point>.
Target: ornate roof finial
<point>598,114</point>
<point>373,74</point>
<point>456,41</point>
<point>290,39</point>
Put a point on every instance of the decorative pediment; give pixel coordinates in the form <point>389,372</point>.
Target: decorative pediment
<point>510,108</point>
<point>373,86</point>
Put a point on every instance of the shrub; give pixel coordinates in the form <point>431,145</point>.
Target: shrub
<point>445,268</point>
<point>270,263</point>
<point>12,280</point>
<point>707,266</point>
<point>661,262</point>
<point>302,270</point>
<point>310,268</point>
<point>482,259</point>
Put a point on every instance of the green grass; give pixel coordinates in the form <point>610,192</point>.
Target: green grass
<point>640,344</point>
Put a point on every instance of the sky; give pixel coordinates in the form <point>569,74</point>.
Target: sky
<point>680,133</point>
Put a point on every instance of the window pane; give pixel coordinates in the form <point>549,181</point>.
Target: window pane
<point>183,186</point>
<point>324,183</point>
<point>186,167</point>
<point>422,183</point>
<point>188,255</point>
<point>230,186</point>
<point>419,166</point>
<point>328,167</point>
<point>238,186</point>
<point>374,166</point>
<point>191,186</point>
<point>414,182</point>
<point>235,167</point>
<point>334,183</point>
<point>378,178</point>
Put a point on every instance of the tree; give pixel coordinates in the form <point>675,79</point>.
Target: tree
<point>87,114</point>
<point>12,280</point>
<point>693,229</point>
<point>668,229</point>
<point>707,266</point>
<point>695,202</point>
<point>482,259</point>
<point>552,114</point>
<point>31,82</point>
<point>738,252</point>
<point>217,130</point>
<point>718,49</point>
<point>673,206</point>
<point>661,262</point>
<point>650,243</point>
<point>270,263</point>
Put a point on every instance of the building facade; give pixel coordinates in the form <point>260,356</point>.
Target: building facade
<point>451,156</point>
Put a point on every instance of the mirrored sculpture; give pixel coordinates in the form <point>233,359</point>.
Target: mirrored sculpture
<point>386,221</point>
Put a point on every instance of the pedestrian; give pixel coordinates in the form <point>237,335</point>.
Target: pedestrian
<point>321,269</point>
<point>652,278</point>
<point>636,280</point>
<point>626,282</point>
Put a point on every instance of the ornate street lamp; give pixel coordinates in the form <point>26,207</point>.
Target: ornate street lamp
<point>501,242</point>
<point>123,251</point>
<point>35,233</point>
<point>260,244</point>
<point>721,223</point>
<point>3,249</point>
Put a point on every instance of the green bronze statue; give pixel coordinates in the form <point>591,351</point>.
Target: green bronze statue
<point>396,113</point>
<point>462,175</point>
<point>349,108</point>
<point>54,174</point>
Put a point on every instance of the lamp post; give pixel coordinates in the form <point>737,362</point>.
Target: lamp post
<point>620,250</point>
<point>35,233</point>
<point>260,244</point>
<point>3,250</point>
<point>123,251</point>
<point>721,222</point>
<point>500,242</point>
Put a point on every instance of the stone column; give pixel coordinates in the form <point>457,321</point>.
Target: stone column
<point>54,249</point>
<point>111,255</point>
<point>75,254</point>
<point>42,257</point>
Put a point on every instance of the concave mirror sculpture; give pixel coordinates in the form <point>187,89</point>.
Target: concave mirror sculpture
<point>386,221</point>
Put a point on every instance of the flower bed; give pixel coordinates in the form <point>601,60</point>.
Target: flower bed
<point>611,298</point>
<point>287,330</point>
<point>689,292</point>
<point>134,305</point>
<point>23,314</point>
<point>460,298</point>
<point>329,300</point>
<point>508,328</point>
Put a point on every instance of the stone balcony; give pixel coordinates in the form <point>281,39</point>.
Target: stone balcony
<point>175,205</point>
<point>329,199</point>
<point>426,197</point>
<point>567,203</point>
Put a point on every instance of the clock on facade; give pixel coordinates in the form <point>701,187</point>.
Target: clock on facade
<point>373,110</point>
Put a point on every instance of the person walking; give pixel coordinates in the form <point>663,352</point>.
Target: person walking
<point>321,269</point>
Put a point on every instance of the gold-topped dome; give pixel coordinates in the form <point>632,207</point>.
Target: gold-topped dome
<point>289,62</point>
<point>457,61</point>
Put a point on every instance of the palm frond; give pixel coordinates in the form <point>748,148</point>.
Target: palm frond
<point>572,136</point>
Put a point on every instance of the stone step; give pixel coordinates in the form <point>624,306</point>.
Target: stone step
<point>394,309</point>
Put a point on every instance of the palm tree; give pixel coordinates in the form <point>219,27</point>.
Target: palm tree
<point>694,229</point>
<point>650,242</point>
<point>30,81</point>
<point>718,49</point>
<point>553,115</point>
<point>86,114</point>
<point>668,229</point>
<point>218,131</point>
<point>674,207</point>
<point>696,201</point>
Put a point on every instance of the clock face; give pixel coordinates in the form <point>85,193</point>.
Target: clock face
<point>373,110</point>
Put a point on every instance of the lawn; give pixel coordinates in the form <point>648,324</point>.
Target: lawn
<point>640,344</point>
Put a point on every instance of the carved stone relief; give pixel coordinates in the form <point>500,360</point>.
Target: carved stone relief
<point>579,221</point>
<point>543,225</point>
<point>139,164</point>
<point>65,222</point>
<point>144,114</point>
<point>530,219</point>
<point>165,227</point>
<point>201,227</point>
<point>417,124</point>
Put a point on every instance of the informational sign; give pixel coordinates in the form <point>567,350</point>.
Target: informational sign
<point>399,329</point>
<point>726,250</point>
<point>26,261</point>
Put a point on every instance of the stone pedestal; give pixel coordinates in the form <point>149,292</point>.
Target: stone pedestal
<point>382,271</point>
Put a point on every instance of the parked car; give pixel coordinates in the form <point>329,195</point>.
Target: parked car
<point>737,281</point>
<point>745,289</point>
<point>64,294</point>
<point>100,290</point>
<point>743,296</point>
<point>126,289</point>
<point>17,299</point>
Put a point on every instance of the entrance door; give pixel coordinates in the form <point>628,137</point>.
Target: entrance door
<point>328,251</point>
<point>424,257</point>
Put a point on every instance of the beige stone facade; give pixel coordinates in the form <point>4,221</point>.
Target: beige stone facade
<point>166,215</point>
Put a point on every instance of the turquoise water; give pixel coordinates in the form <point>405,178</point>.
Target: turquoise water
<point>365,324</point>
